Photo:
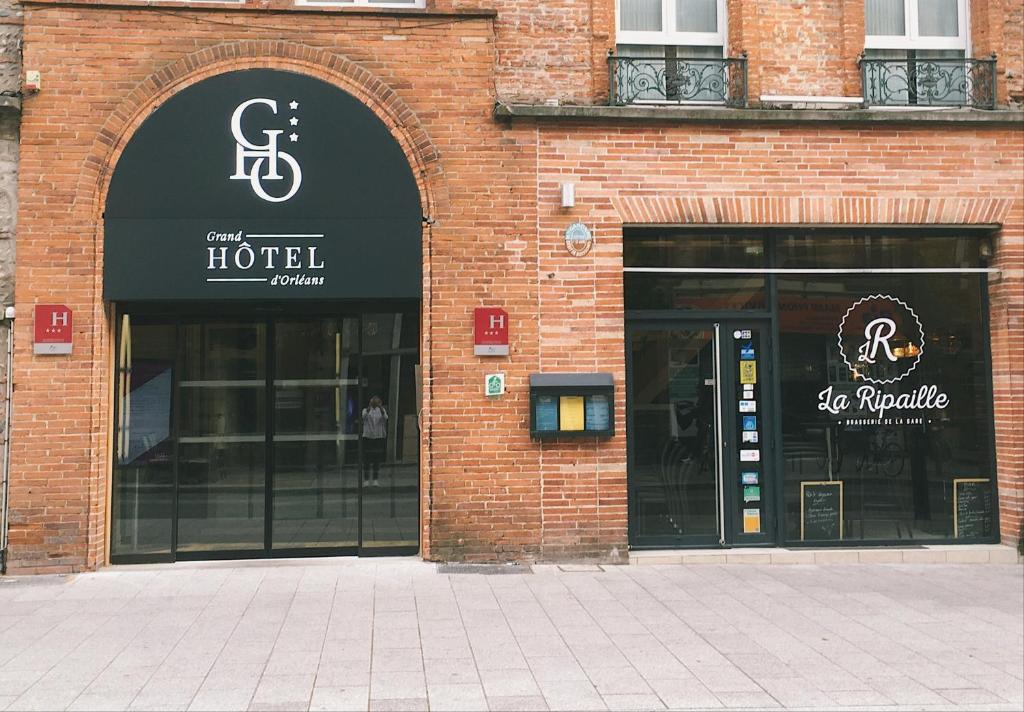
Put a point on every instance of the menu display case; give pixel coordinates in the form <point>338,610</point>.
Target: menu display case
<point>572,405</point>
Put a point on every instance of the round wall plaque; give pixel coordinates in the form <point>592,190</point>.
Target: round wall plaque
<point>578,239</point>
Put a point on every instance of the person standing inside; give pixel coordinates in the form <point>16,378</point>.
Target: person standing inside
<point>375,434</point>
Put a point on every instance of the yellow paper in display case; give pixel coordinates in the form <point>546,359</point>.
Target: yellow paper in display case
<point>751,521</point>
<point>570,413</point>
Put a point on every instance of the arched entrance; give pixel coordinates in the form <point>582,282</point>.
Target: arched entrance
<point>262,245</point>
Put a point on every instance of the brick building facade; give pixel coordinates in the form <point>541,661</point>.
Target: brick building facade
<point>495,107</point>
<point>10,107</point>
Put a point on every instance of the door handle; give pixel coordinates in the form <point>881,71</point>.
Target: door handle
<point>720,435</point>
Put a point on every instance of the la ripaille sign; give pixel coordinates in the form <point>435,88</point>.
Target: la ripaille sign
<point>262,184</point>
<point>881,341</point>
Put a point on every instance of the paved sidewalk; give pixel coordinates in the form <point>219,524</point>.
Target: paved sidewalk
<point>394,634</point>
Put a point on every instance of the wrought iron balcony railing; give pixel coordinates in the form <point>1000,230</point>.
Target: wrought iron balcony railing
<point>681,80</point>
<point>929,82</point>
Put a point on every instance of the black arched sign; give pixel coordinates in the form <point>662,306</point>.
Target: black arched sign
<point>262,184</point>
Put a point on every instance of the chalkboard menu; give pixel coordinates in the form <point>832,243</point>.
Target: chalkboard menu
<point>821,511</point>
<point>972,508</point>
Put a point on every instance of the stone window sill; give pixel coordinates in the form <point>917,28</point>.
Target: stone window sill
<point>711,114</point>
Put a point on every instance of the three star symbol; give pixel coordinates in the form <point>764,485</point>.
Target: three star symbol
<point>293,121</point>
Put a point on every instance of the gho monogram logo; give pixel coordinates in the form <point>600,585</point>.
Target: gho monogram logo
<point>261,162</point>
<point>881,339</point>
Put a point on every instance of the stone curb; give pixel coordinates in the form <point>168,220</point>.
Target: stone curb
<point>981,554</point>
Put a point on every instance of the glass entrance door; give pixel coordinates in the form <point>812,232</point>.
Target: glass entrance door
<point>698,469</point>
<point>674,440</point>
<point>222,426</point>
<point>389,433</point>
<point>315,478</point>
<point>266,437</point>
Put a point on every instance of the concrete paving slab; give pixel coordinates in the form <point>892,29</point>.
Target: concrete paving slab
<point>452,698</point>
<point>517,704</point>
<point>211,700</point>
<point>340,699</point>
<point>623,703</point>
<point>396,634</point>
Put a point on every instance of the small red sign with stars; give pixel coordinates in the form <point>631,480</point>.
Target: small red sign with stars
<point>53,329</point>
<point>490,331</point>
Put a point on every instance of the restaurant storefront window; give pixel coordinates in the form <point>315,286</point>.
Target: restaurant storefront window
<point>874,407</point>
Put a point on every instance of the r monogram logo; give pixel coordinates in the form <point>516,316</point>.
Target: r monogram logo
<point>877,332</point>
<point>266,155</point>
<point>880,339</point>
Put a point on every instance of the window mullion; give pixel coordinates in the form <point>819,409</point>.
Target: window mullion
<point>723,27</point>
<point>963,26</point>
<point>910,18</point>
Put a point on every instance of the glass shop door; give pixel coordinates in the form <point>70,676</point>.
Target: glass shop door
<point>314,481</point>
<point>697,434</point>
<point>272,436</point>
<point>388,426</point>
<point>345,442</point>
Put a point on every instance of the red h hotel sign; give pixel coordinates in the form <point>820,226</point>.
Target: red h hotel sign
<point>53,329</point>
<point>490,332</point>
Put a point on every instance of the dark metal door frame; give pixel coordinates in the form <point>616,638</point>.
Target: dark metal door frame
<point>721,324</point>
<point>176,318</point>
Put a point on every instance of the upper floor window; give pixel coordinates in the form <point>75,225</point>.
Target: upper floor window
<point>674,51</point>
<point>672,22</point>
<point>915,25</point>
<point>366,3</point>
<point>916,53</point>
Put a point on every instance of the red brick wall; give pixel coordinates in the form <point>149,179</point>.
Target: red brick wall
<point>488,491</point>
<point>792,174</point>
<point>799,47</point>
<point>997,26</point>
<point>60,456</point>
<point>1007,328</point>
<point>556,50</point>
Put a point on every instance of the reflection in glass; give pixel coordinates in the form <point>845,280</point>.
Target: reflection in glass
<point>221,460</point>
<point>660,248</point>
<point>898,473</point>
<point>691,292</point>
<point>143,483</point>
<point>674,247</point>
<point>889,249</point>
<point>316,452</point>
<point>672,474</point>
<point>390,464</point>
<point>192,403</point>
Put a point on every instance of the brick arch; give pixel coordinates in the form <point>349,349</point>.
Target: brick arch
<point>335,69</point>
<point>121,125</point>
<point>723,210</point>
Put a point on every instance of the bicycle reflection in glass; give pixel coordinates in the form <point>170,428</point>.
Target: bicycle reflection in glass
<point>688,465</point>
<point>884,454</point>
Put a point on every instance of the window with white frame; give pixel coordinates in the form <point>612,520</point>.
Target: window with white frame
<point>365,3</point>
<point>678,23</point>
<point>916,52</point>
<point>936,26</point>
<point>656,38</point>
